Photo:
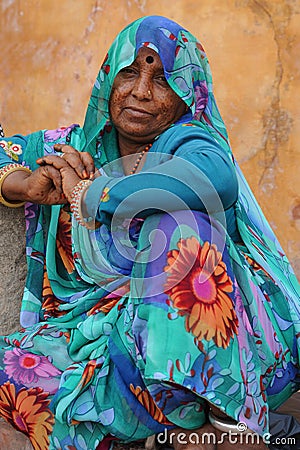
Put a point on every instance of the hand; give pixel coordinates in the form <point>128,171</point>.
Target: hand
<point>81,162</point>
<point>69,176</point>
<point>43,186</point>
<point>52,183</point>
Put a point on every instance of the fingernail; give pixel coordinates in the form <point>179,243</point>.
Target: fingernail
<point>84,174</point>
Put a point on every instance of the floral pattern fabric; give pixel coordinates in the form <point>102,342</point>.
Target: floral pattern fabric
<point>202,296</point>
<point>125,335</point>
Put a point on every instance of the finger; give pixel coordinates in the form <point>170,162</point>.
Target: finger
<point>88,163</point>
<point>73,158</point>
<point>85,158</point>
<point>64,148</point>
<point>52,160</point>
<point>55,176</point>
<point>74,161</point>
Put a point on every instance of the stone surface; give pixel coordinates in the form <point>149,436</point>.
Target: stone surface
<point>12,267</point>
<point>11,439</point>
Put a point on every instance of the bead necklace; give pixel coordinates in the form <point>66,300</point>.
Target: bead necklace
<point>139,159</point>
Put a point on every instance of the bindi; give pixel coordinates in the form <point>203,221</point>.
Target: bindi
<point>149,59</point>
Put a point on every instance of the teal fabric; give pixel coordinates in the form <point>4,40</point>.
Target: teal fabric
<point>133,327</point>
<point>185,163</point>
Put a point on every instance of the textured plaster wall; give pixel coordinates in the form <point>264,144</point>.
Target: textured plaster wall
<point>50,55</point>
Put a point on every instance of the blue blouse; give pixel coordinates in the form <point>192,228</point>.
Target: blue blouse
<point>185,169</point>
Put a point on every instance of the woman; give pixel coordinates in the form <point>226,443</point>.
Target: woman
<point>164,300</point>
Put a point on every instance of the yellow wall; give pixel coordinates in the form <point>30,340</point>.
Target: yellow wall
<point>51,52</point>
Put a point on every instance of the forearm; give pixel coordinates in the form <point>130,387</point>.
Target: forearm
<point>172,186</point>
<point>197,174</point>
<point>13,188</point>
<point>42,184</point>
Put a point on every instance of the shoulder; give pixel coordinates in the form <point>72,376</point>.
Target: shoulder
<point>186,137</point>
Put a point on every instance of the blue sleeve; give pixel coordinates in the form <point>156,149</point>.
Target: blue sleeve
<point>12,149</point>
<point>198,176</point>
<point>27,149</point>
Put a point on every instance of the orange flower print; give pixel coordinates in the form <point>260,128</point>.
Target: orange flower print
<point>106,303</point>
<point>149,404</point>
<point>28,412</point>
<point>64,240</point>
<point>256,267</point>
<point>50,303</point>
<point>88,373</point>
<point>198,286</point>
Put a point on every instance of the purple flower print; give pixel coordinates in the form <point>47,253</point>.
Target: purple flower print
<point>29,369</point>
<point>201,92</point>
<point>30,212</point>
<point>59,133</point>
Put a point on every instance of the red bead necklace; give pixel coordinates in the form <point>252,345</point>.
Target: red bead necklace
<point>139,159</point>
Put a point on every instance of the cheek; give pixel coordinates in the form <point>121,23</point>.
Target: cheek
<point>171,107</point>
<point>114,102</point>
<point>166,104</point>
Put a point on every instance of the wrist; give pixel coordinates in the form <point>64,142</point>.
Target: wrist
<point>13,185</point>
<point>77,205</point>
<point>76,198</point>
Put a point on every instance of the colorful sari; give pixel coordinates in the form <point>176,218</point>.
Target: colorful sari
<point>134,327</point>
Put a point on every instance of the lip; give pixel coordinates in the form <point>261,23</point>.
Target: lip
<point>137,112</point>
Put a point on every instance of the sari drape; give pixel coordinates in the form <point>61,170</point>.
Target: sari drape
<point>131,328</point>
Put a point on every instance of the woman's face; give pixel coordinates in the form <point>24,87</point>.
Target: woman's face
<point>142,104</point>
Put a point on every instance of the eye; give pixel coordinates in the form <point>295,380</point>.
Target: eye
<point>161,79</point>
<point>128,70</point>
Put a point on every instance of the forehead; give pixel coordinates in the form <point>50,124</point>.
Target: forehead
<point>148,58</point>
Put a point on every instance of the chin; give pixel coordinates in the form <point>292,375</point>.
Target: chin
<point>139,135</point>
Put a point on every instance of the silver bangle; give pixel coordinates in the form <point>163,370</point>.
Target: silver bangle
<point>227,425</point>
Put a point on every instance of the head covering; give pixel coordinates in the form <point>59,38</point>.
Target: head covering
<point>185,67</point>
<point>188,73</point>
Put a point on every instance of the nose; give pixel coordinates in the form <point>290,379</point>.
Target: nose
<point>142,88</point>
